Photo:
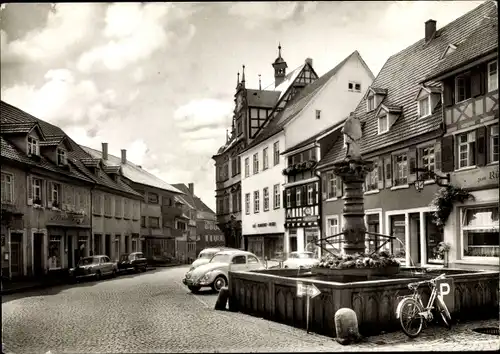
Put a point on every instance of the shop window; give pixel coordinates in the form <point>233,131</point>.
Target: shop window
<point>54,261</point>
<point>434,237</point>
<point>480,231</point>
<point>398,230</point>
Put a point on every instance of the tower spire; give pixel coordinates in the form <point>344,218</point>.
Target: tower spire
<point>260,86</point>
<point>238,80</point>
<point>279,49</point>
<point>243,75</point>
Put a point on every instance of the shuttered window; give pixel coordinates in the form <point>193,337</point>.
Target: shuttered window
<point>494,143</point>
<point>371,181</point>
<point>428,160</point>
<point>400,169</point>
<point>492,76</point>
<point>466,149</point>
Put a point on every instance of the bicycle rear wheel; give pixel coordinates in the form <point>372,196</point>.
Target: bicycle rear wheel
<point>410,319</point>
<point>443,311</point>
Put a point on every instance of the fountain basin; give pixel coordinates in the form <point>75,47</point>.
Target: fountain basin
<point>272,294</point>
<point>383,271</point>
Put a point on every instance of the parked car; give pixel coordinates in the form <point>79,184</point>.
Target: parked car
<point>301,260</point>
<point>134,261</point>
<point>94,267</point>
<point>206,255</point>
<point>215,273</point>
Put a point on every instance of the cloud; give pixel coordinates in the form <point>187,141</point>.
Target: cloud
<point>204,113</point>
<point>56,38</point>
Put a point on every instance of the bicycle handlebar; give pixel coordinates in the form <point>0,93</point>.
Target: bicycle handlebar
<point>430,281</point>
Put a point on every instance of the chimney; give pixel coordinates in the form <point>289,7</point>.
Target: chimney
<point>191,188</point>
<point>309,61</point>
<point>430,30</point>
<point>124,156</point>
<point>104,151</point>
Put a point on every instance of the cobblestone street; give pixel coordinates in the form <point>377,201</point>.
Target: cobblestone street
<point>154,312</point>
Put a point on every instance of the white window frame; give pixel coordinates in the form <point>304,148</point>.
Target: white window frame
<point>328,225</point>
<point>370,103</point>
<point>37,187</point>
<point>56,193</point>
<point>471,138</point>
<point>61,157</point>
<point>372,178</point>
<point>492,84</point>
<point>256,202</point>
<point>247,167</point>
<point>386,117</point>
<point>492,143</point>
<point>298,196</point>
<point>7,186</point>
<point>276,151</point>
<point>288,198</point>
<point>310,199</point>
<point>318,114</point>
<point>332,186</point>
<point>277,196</point>
<point>353,89</point>
<point>33,146</point>
<point>402,167</point>
<point>419,107</point>
<point>255,163</point>
<point>463,228</point>
<point>430,156</point>
<point>265,195</point>
<point>457,80</point>
<point>265,158</point>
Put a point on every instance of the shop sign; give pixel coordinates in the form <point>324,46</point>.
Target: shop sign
<point>310,218</point>
<point>478,177</point>
<point>262,225</point>
<point>272,224</point>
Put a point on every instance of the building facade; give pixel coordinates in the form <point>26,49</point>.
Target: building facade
<point>206,227</point>
<point>403,115</point>
<point>254,110</point>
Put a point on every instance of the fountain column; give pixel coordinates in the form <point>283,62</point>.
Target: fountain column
<point>353,174</point>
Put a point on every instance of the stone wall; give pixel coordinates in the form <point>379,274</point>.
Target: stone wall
<point>274,297</point>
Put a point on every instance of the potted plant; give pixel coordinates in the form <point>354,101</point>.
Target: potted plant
<point>443,250</point>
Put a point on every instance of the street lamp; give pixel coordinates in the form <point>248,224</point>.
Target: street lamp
<point>426,175</point>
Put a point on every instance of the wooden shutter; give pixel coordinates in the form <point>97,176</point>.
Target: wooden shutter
<point>293,197</point>
<point>44,192</point>
<point>448,89</point>
<point>324,182</point>
<point>380,173</point>
<point>284,200</point>
<point>412,165</point>
<point>388,171</point>
<point>437,156</point>
<point>481,146</point>
<point>304,194</point>
<point>49,194</point>
<point>339,186</point>
<point>475,79</point>
<point>29,183</point>
<point>447,164</point>
<point>314,192</point>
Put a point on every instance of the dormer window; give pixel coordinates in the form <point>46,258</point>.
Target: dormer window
<point>383,124</point>
<point>424,106</point>
<point>33,146</point>
<point>370,103</point>
<point>61,157</point>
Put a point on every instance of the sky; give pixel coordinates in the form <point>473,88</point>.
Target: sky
<point>158,79</point>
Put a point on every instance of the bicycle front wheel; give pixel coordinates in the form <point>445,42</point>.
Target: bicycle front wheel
<point>443,311</point>
<point>410,319</point>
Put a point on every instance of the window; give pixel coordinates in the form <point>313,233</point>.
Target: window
<point>33,147</point>
<point>428,158</point>
<point>247,203</point>
<point>56,193</point>
<point>372,179</point>
<point>288,198</point>
<point>37,191</point>
<point>276,151</point>
<point>318,114</point>
<point>480,231</point>
<point>298,195</point>
<point>61,157</point>
<point>462,87</point>
<point>7,188</point>
<point>118,207</point>
<point>265,160</point>
<point>352,86</point>
<point>424,107</point>
<point>382,124</point>
<point>277,196</point>
<point>252,259</point>
<point>357,87</point>
<point>332,185</point>
<point>401,170</point>
<point>143,221</point>
<point>239,260</point>
<point>492,76</point>
<point>247,167</point>
<point>371,103</point>
<point>54,261</point>
<point>181,225</point>
<point>265,193</point>
<point>225,171</point>
<point>310,199</point>
<point>154,222</point>
<point>494,143</point>
<point>107,205</point>
<point>332,228</point>
<point>256,202</point>
<point>255,163</point>
<point>467,149</point>
<point>153,198</point>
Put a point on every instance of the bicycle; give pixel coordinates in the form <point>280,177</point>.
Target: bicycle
<point>411,308</point>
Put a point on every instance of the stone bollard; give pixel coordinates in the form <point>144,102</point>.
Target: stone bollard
<point>221,302</point>
<point>346,326</point>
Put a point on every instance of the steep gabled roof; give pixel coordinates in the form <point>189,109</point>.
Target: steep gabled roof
<point>187,197</point>
<point>262,98</point>
<point>200,206</point>
<point>401,75</point>
<point>297,104</point>
<point>132,171</point>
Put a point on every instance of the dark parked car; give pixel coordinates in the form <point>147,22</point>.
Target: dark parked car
<point>94,266</point>
<point>133,261</point>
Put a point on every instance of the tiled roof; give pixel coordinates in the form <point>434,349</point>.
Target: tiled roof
<point>401,75</point>
<point>14,128</point>
<point>112,169</point>
<point>51,141</point>
<point>379,90</point>
<point>482,41</point>
<point>187,197</point>
<point>288,81</point>
<point>132,171</point>
<point>297,104</point>
<point>9,151</point>
<point>200,206</point>
<point>262,98</point>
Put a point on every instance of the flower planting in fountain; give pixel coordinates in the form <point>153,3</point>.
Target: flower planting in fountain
<point>380,259</point>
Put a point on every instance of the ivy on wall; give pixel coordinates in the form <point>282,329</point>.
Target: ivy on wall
<point>444,200</point>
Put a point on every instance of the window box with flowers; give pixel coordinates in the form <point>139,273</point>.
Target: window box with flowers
<point>299,167</point>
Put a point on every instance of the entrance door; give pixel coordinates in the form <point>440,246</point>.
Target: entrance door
<point>107,245</point>
<point>127,247</point>
<point>97,244</point>
<point>293,244</point>
<point>16,254</point>
<point>71,250</point>
<point>38,254</point>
